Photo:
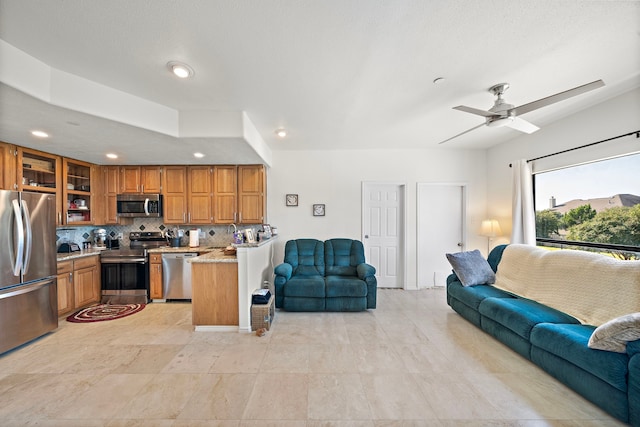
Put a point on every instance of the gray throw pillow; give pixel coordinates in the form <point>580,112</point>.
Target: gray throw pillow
<point>471,268</point>
<point>616,333</point>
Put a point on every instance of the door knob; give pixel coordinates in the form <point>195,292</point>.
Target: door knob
<point>460,244</point>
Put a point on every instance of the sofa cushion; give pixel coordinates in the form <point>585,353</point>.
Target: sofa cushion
<point>305,286</point>
<point>344,286</point>
<point>306,257</point>
<point>521,315</point>
<point>471,268</point>
<point>569,342</point>
<point>303,304</point>
<point>614,335</point>
<point>342,256</point>
<point>345,304</point>
<point>473,295</point>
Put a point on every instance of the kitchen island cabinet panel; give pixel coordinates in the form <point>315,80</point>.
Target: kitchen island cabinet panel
<point>215,294</point>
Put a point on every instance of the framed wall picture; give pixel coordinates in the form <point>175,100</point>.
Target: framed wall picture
<point>318,210</point>
<point>291,200</point>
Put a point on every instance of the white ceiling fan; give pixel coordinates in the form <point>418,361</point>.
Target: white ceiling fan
<point>504,114</point>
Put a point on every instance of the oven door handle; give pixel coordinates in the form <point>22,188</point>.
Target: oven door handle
<point>123,260</point>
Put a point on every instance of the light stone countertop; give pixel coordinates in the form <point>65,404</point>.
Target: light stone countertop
<point>216,255</point>
<point>209,254</point>
<point>81,254</point>
<point>182,249</point>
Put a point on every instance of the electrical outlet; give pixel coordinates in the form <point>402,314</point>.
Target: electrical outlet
<point>201,234</point>
<point>120,236</point>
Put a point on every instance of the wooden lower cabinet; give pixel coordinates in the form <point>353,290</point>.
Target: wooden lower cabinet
<point>214,299</point>
<point>155,276</point>
<point>78,283</point>
<point>65,287</point>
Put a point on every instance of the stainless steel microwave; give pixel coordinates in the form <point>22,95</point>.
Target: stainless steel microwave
<point>139,205</point>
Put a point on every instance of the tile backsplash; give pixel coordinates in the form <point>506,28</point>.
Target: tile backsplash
<point>215,235</point>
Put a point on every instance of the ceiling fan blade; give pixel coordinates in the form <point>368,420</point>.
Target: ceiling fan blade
<point>557,97</point>
<point>475,111</point>
<point>460,134</point>
<point>522,125</point>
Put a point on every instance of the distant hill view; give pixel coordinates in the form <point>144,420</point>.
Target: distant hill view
<point>598,204</point>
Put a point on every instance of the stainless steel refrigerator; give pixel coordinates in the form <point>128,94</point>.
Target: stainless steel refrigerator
<point>28,291</point>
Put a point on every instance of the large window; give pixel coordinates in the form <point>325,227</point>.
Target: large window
<point>593,206</point>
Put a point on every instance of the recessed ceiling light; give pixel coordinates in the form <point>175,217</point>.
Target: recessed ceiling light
<point>281,132</point>
<point>112,156</point>
<point>39,134</point>
<point>198,155</point>
<point>180,69</point>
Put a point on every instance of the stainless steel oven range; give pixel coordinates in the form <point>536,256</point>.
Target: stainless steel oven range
<point>125,271</point>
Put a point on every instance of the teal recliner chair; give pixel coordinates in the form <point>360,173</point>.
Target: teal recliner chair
<point>325,276</point>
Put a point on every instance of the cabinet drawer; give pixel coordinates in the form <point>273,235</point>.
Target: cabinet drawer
<point>65,267</point>
<point>85,262</point>
<point>155,258</point>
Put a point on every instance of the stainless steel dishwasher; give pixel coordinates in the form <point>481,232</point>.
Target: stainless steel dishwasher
<point>176,275</point>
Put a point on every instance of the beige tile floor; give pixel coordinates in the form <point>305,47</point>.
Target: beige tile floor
<point>411,362</point>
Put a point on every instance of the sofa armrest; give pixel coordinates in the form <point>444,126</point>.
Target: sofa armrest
<point>633,348</point>
<point>284,270</point>
<point>365,270</point>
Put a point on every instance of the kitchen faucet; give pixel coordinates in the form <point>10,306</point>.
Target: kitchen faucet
<point>235,229</point>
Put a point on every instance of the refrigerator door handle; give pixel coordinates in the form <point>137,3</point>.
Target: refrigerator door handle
<point>17,265</point>
<point>28,237</point>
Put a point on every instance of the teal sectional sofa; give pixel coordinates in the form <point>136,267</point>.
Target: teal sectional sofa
<point>558,341</point>
<point>325,276</point>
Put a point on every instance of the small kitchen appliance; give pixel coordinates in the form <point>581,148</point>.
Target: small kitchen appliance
<point>100,238</point>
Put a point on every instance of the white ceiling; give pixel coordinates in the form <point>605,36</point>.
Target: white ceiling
<point>337,74</point>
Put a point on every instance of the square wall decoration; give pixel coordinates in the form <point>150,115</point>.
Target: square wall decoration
<point>291,200</point>
<point>318,210</point>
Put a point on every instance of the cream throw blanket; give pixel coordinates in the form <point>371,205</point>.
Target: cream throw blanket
<point>592,288</point>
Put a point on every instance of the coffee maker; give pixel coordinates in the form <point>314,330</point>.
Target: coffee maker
<point>100,238</point>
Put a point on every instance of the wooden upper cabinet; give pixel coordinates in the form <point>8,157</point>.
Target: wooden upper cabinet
<point>225,187</point>
<point>140,179</point>
<point>199,184</point>
<point>77,182</point>
<point>129,179</point>
<point>174,192</point>
<point>8,171</point>
<point>151,179</point>
<point>110,188</point>
<point>251,194</point>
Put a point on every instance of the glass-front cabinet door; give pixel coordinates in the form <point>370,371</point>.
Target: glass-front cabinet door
<point>77,192</point>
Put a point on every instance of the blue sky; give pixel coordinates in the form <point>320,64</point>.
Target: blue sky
<point>600,179</point>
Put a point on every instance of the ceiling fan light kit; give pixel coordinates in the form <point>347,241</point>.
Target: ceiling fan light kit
<point>504,114</point>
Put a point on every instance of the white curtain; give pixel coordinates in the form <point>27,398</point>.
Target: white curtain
<point>523,214</point>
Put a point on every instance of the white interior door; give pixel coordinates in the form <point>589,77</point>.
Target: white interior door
<point>383,227</point>
<point>441,219</point>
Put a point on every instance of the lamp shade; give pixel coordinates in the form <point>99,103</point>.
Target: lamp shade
<point>490,228</point>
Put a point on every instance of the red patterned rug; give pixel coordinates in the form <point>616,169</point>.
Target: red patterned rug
<point>99,313</point>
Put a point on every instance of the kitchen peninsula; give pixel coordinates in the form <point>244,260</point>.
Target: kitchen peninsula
<point>222,286</point>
